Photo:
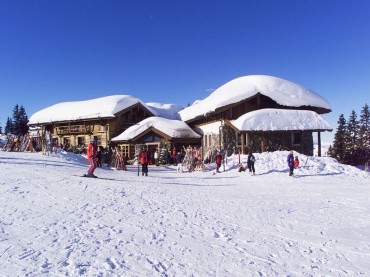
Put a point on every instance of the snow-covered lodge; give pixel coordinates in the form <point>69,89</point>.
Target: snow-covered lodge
<point>73,124</point>
<point>259,113</point>
<point>252,113</point>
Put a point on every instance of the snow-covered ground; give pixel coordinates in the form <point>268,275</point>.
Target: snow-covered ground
<point>324,148</point>
<point>55,223</point>
<point>3,140</point>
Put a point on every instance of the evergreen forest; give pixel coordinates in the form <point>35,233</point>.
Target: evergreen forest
<point>351,143</point>
<point>17,124</point>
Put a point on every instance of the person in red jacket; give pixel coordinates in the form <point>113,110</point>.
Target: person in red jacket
<point>144,161</point>
<point>296,162</point>
<point>174,153</point>
<point>91,157</point>
<point>218,160</point>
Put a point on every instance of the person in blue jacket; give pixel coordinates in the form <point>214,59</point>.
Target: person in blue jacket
<point>250,163</point>
<point>290,160</point>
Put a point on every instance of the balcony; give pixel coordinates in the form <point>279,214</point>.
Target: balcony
<point>74,129</point>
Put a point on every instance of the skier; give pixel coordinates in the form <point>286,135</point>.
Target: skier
<point>144,161</point>
<point>250,163</point>
<point>91,157</point>
<point>218,160</point>
<point>290,160</point>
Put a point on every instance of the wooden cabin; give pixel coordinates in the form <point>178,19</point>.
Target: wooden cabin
<point>252,93</point>
<point>72,124</point>
<point>107,119</point>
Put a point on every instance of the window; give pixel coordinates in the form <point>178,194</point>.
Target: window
<point>296,138</point>
<point>240,139</point>
<point>125,148</point>
<point>55,142</point>
<point>80,141</point>
<point>97,139</point>
<point>67,142</point>
<point>152,138</point>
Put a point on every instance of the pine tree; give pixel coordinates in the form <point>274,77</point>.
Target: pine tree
<point>16,120</point>
<point>352,140</point>
<point>19,121</point>
<point>339,146</point>
<point>23,124</point>
<point>9,126</point>
<point>330,151</point>
<point>364,135</point>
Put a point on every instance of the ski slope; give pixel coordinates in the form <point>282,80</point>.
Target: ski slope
<point>55,223</point>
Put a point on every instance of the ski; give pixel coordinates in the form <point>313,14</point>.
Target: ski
<point>101,178</point>
<point>87,176</point>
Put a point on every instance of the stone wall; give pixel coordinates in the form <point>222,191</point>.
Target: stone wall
<point>270,141</point>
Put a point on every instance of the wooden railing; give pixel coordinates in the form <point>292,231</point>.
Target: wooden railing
<point>73,129</point>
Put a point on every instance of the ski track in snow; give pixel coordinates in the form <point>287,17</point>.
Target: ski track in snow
<point>182,224</point>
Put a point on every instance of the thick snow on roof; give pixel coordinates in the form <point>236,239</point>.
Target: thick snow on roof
<point>94,108</point>
<point>282,91</point>
<point>280,120</point>
<point>169,111</point>
<point>173,128</point>
<point>101,107</point>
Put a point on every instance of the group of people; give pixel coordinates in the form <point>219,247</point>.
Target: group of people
<point>293,162</point>
<point>168,157</point>
<point>144,157</point>
<point>94,158</point>
<point>250,165</point>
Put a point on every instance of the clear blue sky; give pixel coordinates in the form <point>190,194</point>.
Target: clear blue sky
<point>177,51</point>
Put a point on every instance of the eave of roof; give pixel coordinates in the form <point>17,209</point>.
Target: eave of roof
<point>271,120</point>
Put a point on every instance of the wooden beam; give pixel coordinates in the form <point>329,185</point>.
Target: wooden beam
<point>243,141</point>
<point>319,144</point>
<point>262,142</point>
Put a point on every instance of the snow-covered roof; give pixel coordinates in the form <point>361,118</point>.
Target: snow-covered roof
<point>282,91</point>
<point>172,128</point>
<point>169,111</point>
<point>103,107</point>
<point>280,120</point>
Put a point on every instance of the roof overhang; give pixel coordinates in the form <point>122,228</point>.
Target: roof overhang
<point>275,120</point>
